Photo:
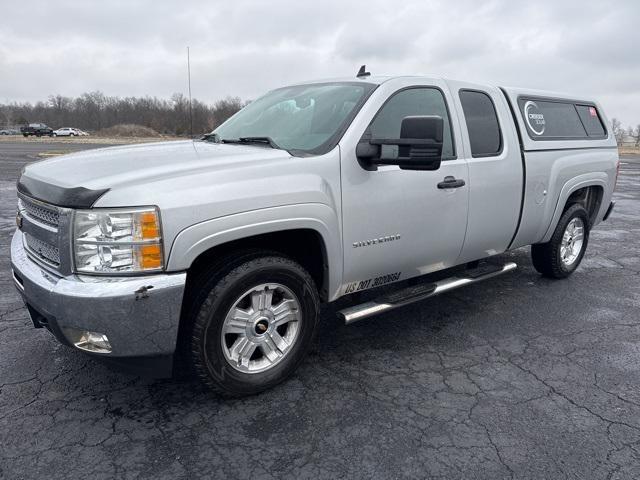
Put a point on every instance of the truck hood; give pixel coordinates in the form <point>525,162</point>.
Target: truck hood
<point>78,179</point>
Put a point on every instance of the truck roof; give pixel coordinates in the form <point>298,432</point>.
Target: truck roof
<point>514,91</point>
<point>372,79</point>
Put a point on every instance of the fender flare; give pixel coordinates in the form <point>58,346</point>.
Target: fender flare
<point>599,179</point>
<point>197,239</point>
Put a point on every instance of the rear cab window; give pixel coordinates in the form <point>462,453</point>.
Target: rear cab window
<point>482,123</point>
<point>551,119</point>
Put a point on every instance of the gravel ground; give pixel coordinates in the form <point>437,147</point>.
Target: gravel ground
<point>518,377</point>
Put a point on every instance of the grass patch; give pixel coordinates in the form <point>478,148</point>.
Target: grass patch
<point>629,150</point>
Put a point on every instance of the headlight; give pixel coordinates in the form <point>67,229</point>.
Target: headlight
<point>117,241</point>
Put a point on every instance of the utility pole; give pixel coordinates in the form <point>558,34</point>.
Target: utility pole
<point>190,103</point>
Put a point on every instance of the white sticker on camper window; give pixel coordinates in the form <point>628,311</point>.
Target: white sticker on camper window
<point>534,118</point>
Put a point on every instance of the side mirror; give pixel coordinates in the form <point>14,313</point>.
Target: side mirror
<point>419,145</point>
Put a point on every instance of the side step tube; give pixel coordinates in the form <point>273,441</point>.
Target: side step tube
<point>416,294</point>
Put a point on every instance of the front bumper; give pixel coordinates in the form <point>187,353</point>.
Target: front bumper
<point>139,315</point>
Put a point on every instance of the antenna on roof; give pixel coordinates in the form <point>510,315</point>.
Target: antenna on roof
<point>363,72</point>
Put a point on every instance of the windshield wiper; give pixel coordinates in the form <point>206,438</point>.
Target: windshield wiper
<point>262,140</point>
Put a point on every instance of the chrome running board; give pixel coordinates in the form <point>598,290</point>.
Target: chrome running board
<point>417,293</point>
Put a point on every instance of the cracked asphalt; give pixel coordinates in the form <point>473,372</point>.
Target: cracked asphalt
<point>517,377</point>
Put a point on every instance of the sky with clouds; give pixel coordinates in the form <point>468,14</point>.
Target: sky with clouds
<point>245,47</point>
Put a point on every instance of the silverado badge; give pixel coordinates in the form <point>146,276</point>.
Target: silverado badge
<point>373,241</point>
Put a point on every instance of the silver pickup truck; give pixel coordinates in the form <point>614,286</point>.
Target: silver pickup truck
<point>223,249</point>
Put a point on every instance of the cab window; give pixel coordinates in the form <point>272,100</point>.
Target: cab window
<point>482,123</point>
<point>409,102</point>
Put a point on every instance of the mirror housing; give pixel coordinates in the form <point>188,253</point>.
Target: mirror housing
<point>419,146</point>
<point>365,150</point>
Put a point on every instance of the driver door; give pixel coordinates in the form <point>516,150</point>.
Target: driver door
<point>399,223</point>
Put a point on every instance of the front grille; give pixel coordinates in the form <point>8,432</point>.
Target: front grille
<point>40,212</point>
<point>47,253</point>
<point>47,230</point>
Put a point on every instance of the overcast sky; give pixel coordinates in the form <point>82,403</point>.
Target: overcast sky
<point>243,48</point>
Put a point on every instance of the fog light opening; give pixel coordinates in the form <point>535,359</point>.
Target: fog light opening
<point>93,342</point>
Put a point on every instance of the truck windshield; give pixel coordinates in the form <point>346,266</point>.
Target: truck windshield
<point>302,118</point>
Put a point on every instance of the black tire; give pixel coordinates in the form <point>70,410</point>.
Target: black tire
<point>25,135</point>
<point>215,299</point>
<point>546,257</point>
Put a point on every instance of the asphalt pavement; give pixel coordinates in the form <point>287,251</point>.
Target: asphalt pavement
<point>517,377</point>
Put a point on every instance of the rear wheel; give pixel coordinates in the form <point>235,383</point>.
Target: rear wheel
<point>254,326</point>
<point>560,256</point>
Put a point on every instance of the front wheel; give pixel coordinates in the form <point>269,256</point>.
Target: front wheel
<point>561,255</point>
<point>254,326</point>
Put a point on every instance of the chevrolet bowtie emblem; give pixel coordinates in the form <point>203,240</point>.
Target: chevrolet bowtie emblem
<point>19,220</point>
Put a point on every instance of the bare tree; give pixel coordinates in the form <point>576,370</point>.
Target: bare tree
<point>223,109</point>
<point>618,130</point>
<point>635,134</point>
<point>94,111</point>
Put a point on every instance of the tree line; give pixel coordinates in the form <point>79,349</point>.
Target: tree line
<point>93,111</point>
<point>625,135</point>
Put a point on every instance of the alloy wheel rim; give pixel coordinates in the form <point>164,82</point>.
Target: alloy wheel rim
<point>261,327</point>
<point>572,241</point>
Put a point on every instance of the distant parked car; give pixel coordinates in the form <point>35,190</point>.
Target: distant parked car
<point>9,131</point>
<point>66,132</point>
<point>37,129</point>
<point>82,133</point>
